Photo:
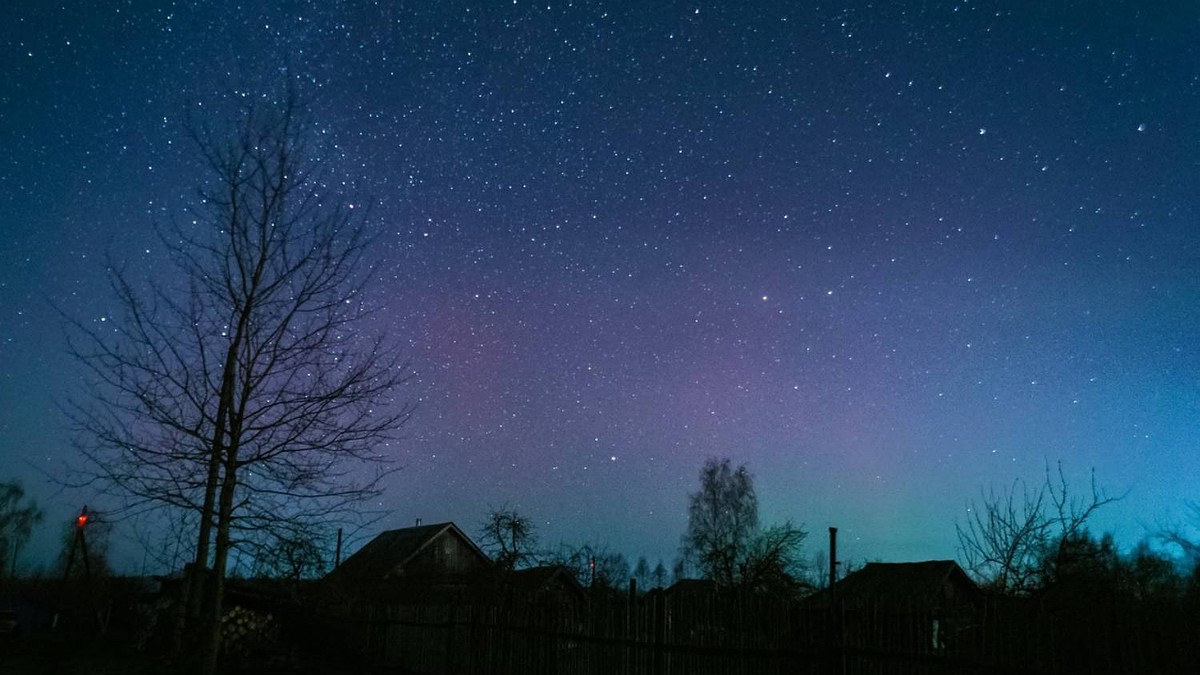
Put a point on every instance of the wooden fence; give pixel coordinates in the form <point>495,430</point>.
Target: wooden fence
<point>659,635</point>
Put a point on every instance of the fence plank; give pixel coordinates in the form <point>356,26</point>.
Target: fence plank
<point>748,635</point>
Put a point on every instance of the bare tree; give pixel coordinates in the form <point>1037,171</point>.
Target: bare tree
<point>166,537</point>
<point>240,384</point>
<point>1182,536</point>
<point>1005,537</point>
<point>509,537</point>
<point>18,515</point>
<point>722,519</point>
<point>292,552</point>
<point>1008,536</point>
<point>593,565</point>
<point>773,561</point>
<point>724,538</point>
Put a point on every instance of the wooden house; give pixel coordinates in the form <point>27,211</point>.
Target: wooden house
<point>422,562</point>
<point>922,606</point>
<point>929,585</point>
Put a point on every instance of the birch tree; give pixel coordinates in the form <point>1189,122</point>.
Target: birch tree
<point>242,383</point>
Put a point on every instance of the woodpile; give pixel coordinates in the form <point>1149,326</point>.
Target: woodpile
<point>247,631</point>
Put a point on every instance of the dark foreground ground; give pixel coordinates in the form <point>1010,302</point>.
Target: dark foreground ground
<point>67,655</point>
<point>50,654</point>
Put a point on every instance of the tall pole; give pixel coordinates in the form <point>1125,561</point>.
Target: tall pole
<point>79,543</point>
<point>76,541</point>
<point>833,561</point>
<point>838,635</point>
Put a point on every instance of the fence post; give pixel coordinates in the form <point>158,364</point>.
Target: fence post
<point>660,632</point>
<point>630,633</point>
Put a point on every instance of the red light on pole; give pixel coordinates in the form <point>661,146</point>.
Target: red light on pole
<point>83,518</point>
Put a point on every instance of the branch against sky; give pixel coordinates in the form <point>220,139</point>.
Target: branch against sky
<point>1008,535</point>
<point>509,537</point>
<point>241,384</point>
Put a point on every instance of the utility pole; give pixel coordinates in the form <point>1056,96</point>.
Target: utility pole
<point>79,544</point>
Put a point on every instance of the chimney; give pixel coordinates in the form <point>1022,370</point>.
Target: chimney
<point>833,561</point>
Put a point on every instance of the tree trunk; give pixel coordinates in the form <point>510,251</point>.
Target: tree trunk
<point>215,588</point>
<point>195,577</point>
<point>218,453</point>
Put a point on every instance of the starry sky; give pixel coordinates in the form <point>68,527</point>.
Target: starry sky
<point>886,254</point>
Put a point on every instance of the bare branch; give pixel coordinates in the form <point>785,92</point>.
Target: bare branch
<point>1007,536</point>
<point>509,537</point>
<point>239,388</point>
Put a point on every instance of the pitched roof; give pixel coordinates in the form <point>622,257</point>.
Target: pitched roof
<point>691,587</point>
<point>393,549</point>
<point>544,577</point>
<point>912,583</point>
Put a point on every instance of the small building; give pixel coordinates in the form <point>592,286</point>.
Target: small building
<point>552,584</point>
<point>422,562</point>
<point>691,588</point>
<point>920,606</point>
<point>932,584</point>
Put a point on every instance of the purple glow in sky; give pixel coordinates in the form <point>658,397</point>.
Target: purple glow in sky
<point>885,255</point>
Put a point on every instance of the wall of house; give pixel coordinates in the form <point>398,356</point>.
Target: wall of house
<point>448,554</point>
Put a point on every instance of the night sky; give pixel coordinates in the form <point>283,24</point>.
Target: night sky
<point>884,254</point>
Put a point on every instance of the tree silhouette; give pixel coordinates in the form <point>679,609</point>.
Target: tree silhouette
<point>594,565</point>
<point>17,518</point>
<point>509,537</point>
<point>1008,536</point>
<point>1150,576</point>
<point>723,537</point>
<point>772,563</point>
<point>722,519</point>
<point>641,572</point>
<point>291,552</point>
<point>1183,536</point>
<point>240,384</point>
<point>659,577</point>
